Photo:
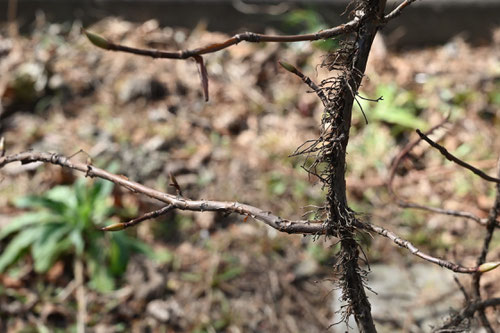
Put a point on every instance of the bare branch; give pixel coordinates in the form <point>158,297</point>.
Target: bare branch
<point>450,212</point>
<point>406,204</point>
<point>397,11</point>
<point>406,150</point>
<point>246,36</point>
<point>292,69</point>
<point>415,251</point>
<point>467,312</point>
<point>492,217</point>
<point>490,229</point>
<point>284,225</point>
<point>455,159</point>
<point>147,216</point>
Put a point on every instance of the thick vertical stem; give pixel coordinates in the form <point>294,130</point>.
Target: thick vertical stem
<point>340,216</point>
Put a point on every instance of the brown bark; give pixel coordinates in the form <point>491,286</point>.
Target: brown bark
<point>341,218</point>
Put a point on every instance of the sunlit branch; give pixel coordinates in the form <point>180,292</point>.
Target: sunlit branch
<point>415,251</point>
<point>284,225</point>
<point>490,229</point>
<point>246,36</point>
<point>181,203</point>
<point>398,10</point>
<point>456,160</point>
<point>468,312</point>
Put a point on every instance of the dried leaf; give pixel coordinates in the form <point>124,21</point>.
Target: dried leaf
<point>175,184</point>
<point>202,70</point>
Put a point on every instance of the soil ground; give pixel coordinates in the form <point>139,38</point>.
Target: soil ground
<point>61,94</point>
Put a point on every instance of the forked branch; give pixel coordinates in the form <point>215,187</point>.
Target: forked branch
<point>490,229</point>
<point>466,313</point>
<point>173,202</point>
<point>456,160</point>
<point>406,204</point>
<point>246,36</point>
<point>176,202</point>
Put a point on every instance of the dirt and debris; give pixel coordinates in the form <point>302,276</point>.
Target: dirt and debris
<point>59,93</point>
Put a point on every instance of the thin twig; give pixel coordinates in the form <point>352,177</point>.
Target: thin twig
<point>397,11</point>
<point>246,36</point>
<point>468,312</point>
<point>406,150</point>
<point>307,80</point>
<point>455,159</point>
<point>176,202</point>
<point>462,289</point>
<point>147,216</point>
<point>450,212</point>
<point>406,204</point>
<point>415,251</point>
<point>490,229</point>
<point>284,225</point>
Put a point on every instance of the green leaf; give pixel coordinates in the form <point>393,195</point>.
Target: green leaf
<point>229,274</point>
<point>102,190</point>
<point>119,253</point>
<point>398,107</point>
<point>49,245</point>
<point>34,201</point>
<point>80,191</point>
<point>64,194</point>
<point>27,220</point>
<point>141,247</point>
<point>163,256</point>
<point>17,245</point>
<point>101,279</point>
<point>76,238</point>
<point>399,116</point>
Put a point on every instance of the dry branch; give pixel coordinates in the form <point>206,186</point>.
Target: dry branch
<point>284,225</point>
<point>490,229</point>
<point>398,10</point>
<point>177,202</point>
<point>407,204</point>
<point>145,217</point>
<point>415,251</point>
<point>307,80</point>
<point>246,36</point>
<point>455,159</point>
<point>466,313</point>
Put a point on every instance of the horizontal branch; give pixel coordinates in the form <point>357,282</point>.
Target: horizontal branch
<point>449,212</point>
<point>181,203</point>
<point>246,36</point>
<point>415,251</point>
<point>148,216</point>
<point>456,160</point>
<point>276,222</point>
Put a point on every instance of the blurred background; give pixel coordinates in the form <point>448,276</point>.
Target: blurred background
<point>144,118</point>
